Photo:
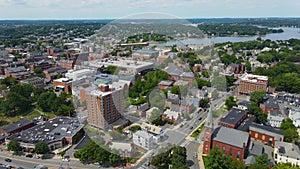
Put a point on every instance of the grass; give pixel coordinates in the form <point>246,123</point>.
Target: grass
<point>29,115</point>
<point>219,112</point>
<point>91,130</point>
<point>197,132</point>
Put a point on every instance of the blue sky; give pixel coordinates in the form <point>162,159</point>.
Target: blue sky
<point>111,9</point>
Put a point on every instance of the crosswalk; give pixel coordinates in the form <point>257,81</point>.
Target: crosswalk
<point>185,143</point>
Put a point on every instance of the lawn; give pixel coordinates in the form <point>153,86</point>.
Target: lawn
<point>30,115</point>
<point>219,112</point>
<point>197,132</point>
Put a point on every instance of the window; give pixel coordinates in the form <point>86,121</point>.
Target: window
<point>230,151</point>
<point>238,154</point>
<point>275,156</point>
<point>263,137</point>
<point>256,135</point>
<point>223,148</point>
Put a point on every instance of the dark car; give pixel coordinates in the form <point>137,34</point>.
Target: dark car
<point>29,155</point>
<point>191,127</point>
<point>8,160</point>
<point>200,118</point>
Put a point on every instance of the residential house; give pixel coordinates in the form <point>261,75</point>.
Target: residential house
<point>286,153</point>
<point>142,139</point>
<point>266,134</point>
<point>275,118</point>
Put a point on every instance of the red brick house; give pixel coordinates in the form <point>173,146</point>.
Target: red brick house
<point>234,118</point>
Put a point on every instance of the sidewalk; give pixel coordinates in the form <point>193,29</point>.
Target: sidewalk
<point>200,159</point>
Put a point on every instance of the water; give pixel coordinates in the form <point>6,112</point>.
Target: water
<point>287,34</point>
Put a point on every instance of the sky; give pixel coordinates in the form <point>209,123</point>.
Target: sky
<point>114,9</point>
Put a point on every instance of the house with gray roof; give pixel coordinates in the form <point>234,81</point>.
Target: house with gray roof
<point>286,153</point>
<point>275,118</point>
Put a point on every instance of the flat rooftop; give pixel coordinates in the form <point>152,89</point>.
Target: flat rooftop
<point>254,78</point>
<point>50,131</point>
<point>123,63</point>
<point>234,116</point>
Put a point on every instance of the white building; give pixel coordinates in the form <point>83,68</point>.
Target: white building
<point>294,115</point>
<point>79,74</point>
<point>275,118</point>
<point>143,139</point>
<point>157,132</point>
<point>286,153</point>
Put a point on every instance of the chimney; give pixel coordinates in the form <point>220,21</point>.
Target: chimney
<point>104,88</point>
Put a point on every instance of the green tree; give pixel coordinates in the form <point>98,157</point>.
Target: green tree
<point>230,102</point>
<point>289,130</point>
<point>285,166</point>
<point>203,102</point>
<point>13,145</point>
<point>178,158</point>
<point>248,66</point>
<point>261,162</point>
<point>257,96</point>
<point>216,159</point>
<point>175,90</point>
<point>41,148</point>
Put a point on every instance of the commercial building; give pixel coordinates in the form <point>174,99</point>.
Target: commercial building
<point>142,139</point>
<point>250,83</point>
<point>266,134</point>
<point>286,153</point>
<point>105,104</point>
<point>79,74</point>
<point>127,67</point>
<point>56,132</point>
<point>143,54</point>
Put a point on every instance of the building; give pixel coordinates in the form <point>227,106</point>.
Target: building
<point>63,84</point>
<point>18,72</point>
<point>156,131</point>
<point>266,134</point>
<point>53,72</point>
<point>286,153</point>
<point>67,64</point>
<point>16,127</point>
<point>105,104</point>
<point>141,109</point>
<point>124,149</point>
<point>269,105</point>
<point>275,118</point>
<point>56,132</point>
<point>128,67</point>
<point>244,105</point>
<point>142,139</point>
<point>79,74</point>
<point>35,81</point>
<point>294,115</point>
<point>233,142</point>
<point>41,64</point>
<point>143,54</point>
<point>165,84</point>
<point>171,116</point>
<point>250,83</point>
<point>234,118</point>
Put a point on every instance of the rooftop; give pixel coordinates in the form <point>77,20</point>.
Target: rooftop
<point>231,136</point>
<point>254,78</point>
<point>151,128</point>
<point>234,116</point>
<point>13,126</point>
<point>288,149</point>
<point>50,131</point>
<point>166,83</point>
<point>143,134</point>
<point>266,130</point>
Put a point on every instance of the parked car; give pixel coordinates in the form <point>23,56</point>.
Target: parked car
<point>29,155</point>
<point>8,160</point>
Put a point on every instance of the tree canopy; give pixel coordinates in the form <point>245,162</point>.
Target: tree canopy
<point>41,148</point>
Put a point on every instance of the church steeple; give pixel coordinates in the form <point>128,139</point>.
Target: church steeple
<point>209,128</point>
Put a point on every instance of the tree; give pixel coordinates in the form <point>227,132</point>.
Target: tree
<point>261,162</point>
<point>178,158</point>
<point>289,130</point>
<point>41,148</point>
<point>216,159</point>
<point>220,83</point>
<point>175,90</point>
<point>258,113</point>
<point>13,145</point>
<point>203,102</point>
<point>230,102</point>
<point>257,96</point>
<point>248,66</point>
<point>201,83</point>
<point>285,166</point>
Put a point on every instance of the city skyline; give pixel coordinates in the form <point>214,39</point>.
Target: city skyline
<point>103,9</point>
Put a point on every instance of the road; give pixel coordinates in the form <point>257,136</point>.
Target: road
<point>21,161</point>
<point>191,149</point>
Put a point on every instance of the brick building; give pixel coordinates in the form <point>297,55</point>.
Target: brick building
<point>266,134</point>
<point>105,105</point>
<point>63,84</point>
<point>233,142</point>
<point>16,127</point>
<point>250,83</point>
<point>165,84</point>
<point>234,118</point>
<point>269,105</point>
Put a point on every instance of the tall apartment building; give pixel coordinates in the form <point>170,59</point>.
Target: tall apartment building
<point>250,83</point>
<point>105,104</point>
